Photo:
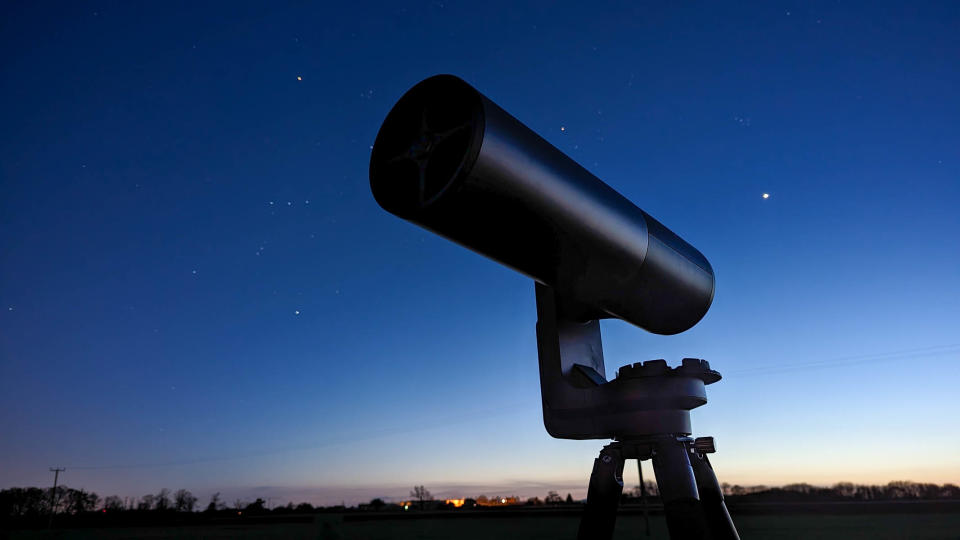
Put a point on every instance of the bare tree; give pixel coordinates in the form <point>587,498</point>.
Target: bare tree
<point>112,503</point>
<point>146,502</point>
<point>650,488</point>
<point>215,503</point>
<point>184,501</point>
<point>57,499</point>
<point>79,501</point>
<point>256,507</point>
<point>162,500</point>
<point>421,494</point>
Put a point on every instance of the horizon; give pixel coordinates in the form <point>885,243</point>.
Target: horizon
<point>351,496</point>
<point>198,289</point>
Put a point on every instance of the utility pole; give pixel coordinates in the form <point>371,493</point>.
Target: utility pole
<point>53,495</point>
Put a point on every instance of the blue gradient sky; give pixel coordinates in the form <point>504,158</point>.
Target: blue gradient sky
<point>171,196</point>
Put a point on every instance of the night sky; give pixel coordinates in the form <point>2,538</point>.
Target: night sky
<point>199,291</point>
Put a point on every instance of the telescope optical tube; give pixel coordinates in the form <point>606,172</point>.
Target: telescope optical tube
<point>450,160</point>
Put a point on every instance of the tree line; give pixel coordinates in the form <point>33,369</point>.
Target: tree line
<point>841,491</point>
<point>896,490</point>
<point>34,502</point>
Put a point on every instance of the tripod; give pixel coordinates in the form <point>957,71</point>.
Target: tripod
<point>692,498</point>
<point>645,409</point>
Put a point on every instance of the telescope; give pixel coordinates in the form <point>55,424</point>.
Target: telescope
<point>450,160</point>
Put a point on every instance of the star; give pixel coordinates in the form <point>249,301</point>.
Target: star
<point>296,312</point>
<point>766,195</point>
<point>299,78</point>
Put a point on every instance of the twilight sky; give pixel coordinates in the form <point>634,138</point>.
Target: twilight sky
<point>198,290</point>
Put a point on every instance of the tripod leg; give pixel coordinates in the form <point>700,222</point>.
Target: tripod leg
<point>603,496</point>
<point>678,491</point>
<point>711,498</point>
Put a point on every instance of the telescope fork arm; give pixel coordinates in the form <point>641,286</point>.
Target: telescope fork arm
<point>571,368</point>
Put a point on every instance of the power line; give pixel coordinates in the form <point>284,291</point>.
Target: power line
<point>459,419</point>
<point>838,362</point>
<point>844,361</point>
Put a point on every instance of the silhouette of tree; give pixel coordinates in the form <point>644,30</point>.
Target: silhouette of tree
<point>569,499</point>
<point>377,504</point>
<point>553,498</point>
<point>650,488</point>
<point>256,507</point>
<point>162,501</point>
<point>113,503</point>
<point>304,507</point>
<point>146,502</point>
<point>184,501</point>
<point>78,501</point>
<point>421,494</point>
<point>215,503</point>
<point>56,500</point>
<point>24,502</point>
<point>845,489</point>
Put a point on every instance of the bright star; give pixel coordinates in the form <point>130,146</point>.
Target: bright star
<point>766,195</point>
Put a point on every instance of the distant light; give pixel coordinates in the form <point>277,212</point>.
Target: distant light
<point>296,312</point>
<point>299,78</point>
<point>562,128</point>
<point>766,195</point>
<point>406,507</point>
<point>503,501</point>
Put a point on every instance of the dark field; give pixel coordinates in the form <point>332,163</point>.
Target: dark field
<point>837,523</point>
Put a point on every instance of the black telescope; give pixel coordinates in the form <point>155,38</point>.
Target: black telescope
<point>450,160</point>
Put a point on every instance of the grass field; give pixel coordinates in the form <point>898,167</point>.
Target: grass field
<point>333,527</point>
